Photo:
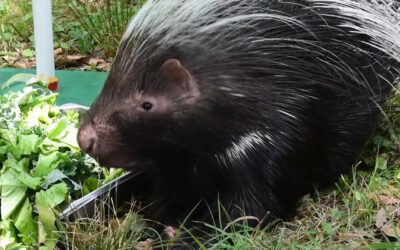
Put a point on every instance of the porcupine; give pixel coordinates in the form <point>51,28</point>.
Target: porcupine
<point>248,104</point>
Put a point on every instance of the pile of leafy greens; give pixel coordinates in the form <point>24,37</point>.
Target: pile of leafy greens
<point>42,167</point>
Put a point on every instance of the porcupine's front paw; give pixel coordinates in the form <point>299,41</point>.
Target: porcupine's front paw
<point>177,240</point>
<point>169,233</point>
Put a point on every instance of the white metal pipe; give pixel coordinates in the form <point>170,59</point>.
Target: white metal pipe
<point>44,47</point>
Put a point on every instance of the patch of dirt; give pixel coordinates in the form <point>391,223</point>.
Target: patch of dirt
<point>63,60</point>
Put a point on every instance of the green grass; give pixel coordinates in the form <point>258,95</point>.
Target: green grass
<point>101,233</point>
<point>16,28</point>
<point>105,20</point>
<point>80,26</point>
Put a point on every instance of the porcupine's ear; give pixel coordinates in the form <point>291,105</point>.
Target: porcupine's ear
<point>176,73</point>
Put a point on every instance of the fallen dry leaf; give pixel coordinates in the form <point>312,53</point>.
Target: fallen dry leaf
<point>58,51</point>
<point>356,235</point>
<point>23,64</point>
<point>388,200</point>
<point>59,58</point>
<point>19,65</point>
<point>10,59</point>
<point>380,219</point>
<point>92,61</point>
<point>385,223</point>
<point>104,66</point>
<point>391,230</point>
<point>74,58</point>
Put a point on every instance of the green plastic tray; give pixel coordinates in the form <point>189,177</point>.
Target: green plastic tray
<point>79,87</point>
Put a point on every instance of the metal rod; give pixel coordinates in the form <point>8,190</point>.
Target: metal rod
<point>44,47</point>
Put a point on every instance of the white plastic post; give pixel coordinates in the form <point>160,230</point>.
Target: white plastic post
<point>44,47</point>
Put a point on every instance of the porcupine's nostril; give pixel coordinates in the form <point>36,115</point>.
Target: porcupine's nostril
<point>87,139</point>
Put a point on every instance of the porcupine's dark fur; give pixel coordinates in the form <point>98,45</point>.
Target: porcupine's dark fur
<point>283,96</point>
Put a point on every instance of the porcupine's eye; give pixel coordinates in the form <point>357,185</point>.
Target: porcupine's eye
<point>147,106</point>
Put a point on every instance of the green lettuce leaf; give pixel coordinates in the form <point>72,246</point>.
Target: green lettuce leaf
<point>28,144</point>
<point>9,135</point>
<point>20,171</point>
<point>46,201</point>
<point>47,163</point>
<point>56,176</point>
<point>58,131</point>
<point>25,224</point>
<point>8,237</point>
<point>13,192</point>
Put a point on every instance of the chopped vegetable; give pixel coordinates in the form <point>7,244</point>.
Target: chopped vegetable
<point>42,168</point>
